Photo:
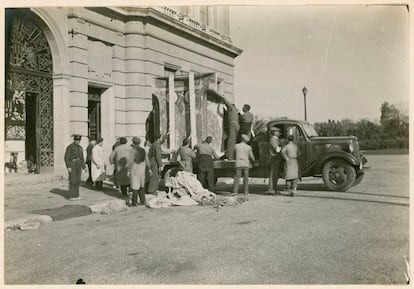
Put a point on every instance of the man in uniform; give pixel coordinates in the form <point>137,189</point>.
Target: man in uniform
<point>74,163</point>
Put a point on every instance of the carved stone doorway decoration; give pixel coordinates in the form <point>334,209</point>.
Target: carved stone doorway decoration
<point>29,88</point>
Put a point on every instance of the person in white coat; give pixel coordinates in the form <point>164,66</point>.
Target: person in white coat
<point>98,164</point>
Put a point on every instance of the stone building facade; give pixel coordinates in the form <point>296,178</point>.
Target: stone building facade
<point>111,72</point>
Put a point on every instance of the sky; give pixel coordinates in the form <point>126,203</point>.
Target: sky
<point>350,58</point>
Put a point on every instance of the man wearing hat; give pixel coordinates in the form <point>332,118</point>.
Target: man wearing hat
<point>244,155</point>
<point>275,162</point>
<point>74,163</point>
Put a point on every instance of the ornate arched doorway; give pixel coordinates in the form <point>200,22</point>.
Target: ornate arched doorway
<point>29,90</point>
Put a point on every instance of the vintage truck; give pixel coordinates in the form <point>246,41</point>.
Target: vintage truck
<point>336,159</point>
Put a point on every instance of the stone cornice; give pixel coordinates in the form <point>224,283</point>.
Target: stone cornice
<point>153,16</point>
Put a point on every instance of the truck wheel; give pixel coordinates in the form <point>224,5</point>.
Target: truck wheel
<point>338,175</point>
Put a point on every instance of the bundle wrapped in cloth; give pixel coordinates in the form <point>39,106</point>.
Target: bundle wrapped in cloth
<point>186,184</point>
<point>183,190</point>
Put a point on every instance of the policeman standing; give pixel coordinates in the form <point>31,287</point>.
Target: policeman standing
<point>74,163</point>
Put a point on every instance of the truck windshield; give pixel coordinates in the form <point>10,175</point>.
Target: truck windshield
<point>310,130</point>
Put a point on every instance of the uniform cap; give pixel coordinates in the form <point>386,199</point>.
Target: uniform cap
<point>76,137</point>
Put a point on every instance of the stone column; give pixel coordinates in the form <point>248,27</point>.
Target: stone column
<point>61,121</point>
<point>192,96</point>
<point>171,109</point>
<point>78,58</point>
<point>137,98</point>
<point>108,118</point>
<point>210,16</point>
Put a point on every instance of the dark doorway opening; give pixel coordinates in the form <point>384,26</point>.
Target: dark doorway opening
<point>94,112</point>
<point>152,124</point>
<point>31,147</point>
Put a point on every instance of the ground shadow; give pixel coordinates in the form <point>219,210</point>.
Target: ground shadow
<point>106,189</point>
<point>313,187</point>
<point>63,193</point>
<point>254,189</point>
<point>351,199</point>
<point>65,212</point>
<point>261,189</point>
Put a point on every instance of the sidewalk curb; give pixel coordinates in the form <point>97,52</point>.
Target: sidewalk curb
<point>33,223</point>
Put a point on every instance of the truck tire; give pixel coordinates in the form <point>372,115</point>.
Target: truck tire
<point>338,175</point>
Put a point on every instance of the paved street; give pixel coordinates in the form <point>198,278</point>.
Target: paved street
<point>317,237</point>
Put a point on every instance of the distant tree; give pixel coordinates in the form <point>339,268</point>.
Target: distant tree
<point>393,122</point>
<point>259,124</point>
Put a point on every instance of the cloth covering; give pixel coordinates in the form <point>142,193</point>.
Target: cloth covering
<point>98,159</point>
<point>184,190</point>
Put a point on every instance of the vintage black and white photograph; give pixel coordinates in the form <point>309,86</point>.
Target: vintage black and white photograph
<point>206,144</point>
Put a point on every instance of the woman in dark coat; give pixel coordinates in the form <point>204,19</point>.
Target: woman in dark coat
<point>121,159</point>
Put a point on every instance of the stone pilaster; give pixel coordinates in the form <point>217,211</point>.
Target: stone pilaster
<point>61,121</point>
<point>192,95</point>
<point>171,109</point>
<point>137,95</point>
<point>78,88</point>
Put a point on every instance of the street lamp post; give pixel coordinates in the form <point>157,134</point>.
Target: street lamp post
<point>305,91</point>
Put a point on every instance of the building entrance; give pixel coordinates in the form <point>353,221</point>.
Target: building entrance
<point>94,113</point>
<point>29,91</point>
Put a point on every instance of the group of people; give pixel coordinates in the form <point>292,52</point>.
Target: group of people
<point>281,158</point>
<point>240,127</point>
<point>136,169</point>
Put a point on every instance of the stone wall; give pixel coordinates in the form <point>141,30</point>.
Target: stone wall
<point>123,56</point>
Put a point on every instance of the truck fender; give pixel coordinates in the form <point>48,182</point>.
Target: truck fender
<point>337,155</point>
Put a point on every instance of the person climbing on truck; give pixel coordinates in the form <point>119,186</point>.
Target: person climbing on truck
<point>246,120</point>
<point>233,127</point>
